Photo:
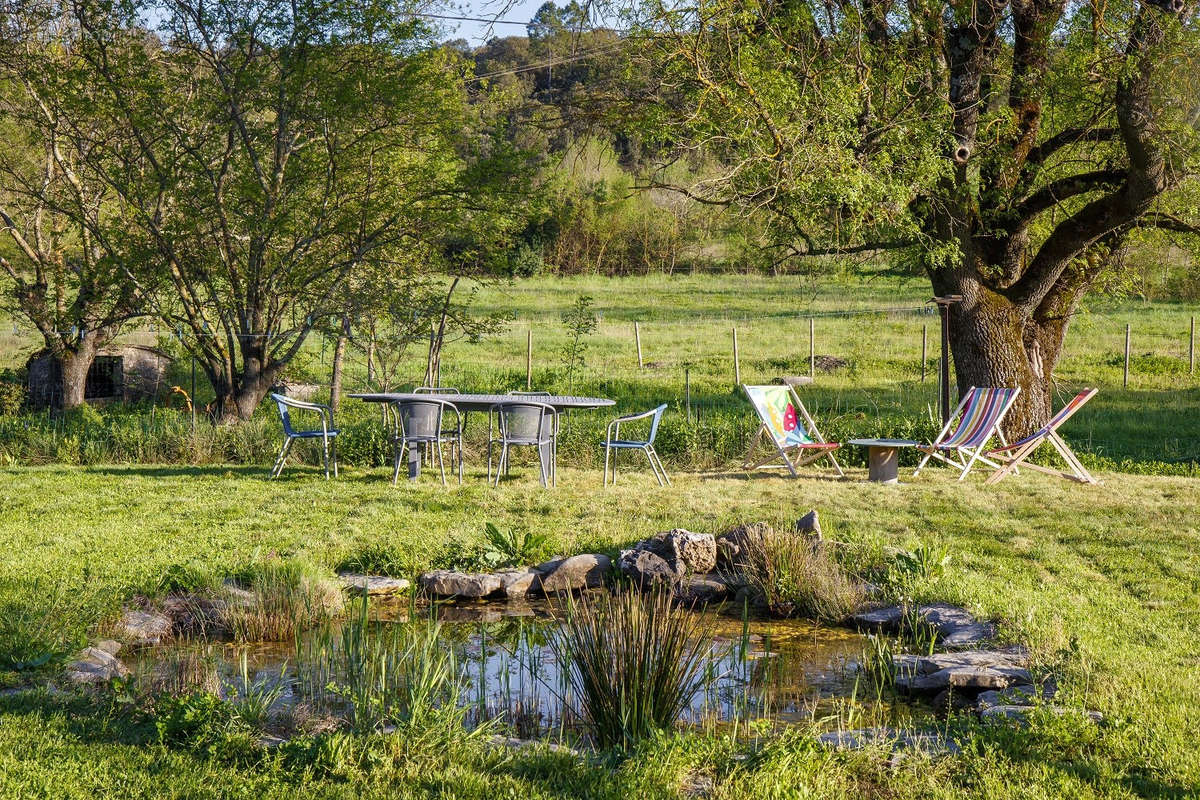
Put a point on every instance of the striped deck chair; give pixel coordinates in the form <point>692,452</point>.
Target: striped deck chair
<point>1012,455</point>
<point>790,428</point>
<point>979,416</point>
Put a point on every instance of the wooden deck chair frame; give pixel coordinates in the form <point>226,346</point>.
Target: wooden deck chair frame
<point>820,447</point>
<point>964,458</point>
<point>1010,461</point>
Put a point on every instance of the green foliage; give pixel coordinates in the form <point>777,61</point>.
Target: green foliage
<point>580,322</point>
<point>378,558</point>
<point>12,391</point>
<point>285,597</point>
<point>512,548</point>
<point>37,626</point>
<point>636,661</point>
<point>912,572</point>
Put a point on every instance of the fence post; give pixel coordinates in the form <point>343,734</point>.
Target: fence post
<point>529,358</point>
<point>812,349</point>
<point>924,348</point>
<point>1125,379</point>
<point>1192,347</point>
<point>737,367</point>
<point>637,337</point>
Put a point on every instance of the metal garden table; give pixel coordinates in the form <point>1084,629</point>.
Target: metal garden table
<point>480,402</point>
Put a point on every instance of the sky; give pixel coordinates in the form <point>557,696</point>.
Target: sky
<point>476,33</point>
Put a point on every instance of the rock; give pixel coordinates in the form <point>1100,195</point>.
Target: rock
<point>646,568</point>
<point>1020,713</point>
<point>447,583</point>
<point>585,571</point>
<point>1014,695</point>
<point>110,646</point>
<point>879,620</point>
<point>691,552</point>
<point>972,670</point>
<point>927,664</point>
<point>144,627</point>
<point>930,743</point>
<point>809,525</point>
<point>701,589</point>
<point>731,545</point>
<point>683,550</point>
<point>94,665</point>
<point>955,627</point>
<point>976,678</point>
<point>519,584</point>
<point>373,585</point>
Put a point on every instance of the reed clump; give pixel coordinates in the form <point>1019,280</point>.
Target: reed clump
<point>635,662</point>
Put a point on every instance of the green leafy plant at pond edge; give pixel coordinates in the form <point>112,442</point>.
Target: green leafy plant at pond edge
<point>510,548</point>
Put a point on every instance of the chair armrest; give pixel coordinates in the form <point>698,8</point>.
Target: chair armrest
<point>632,417</point>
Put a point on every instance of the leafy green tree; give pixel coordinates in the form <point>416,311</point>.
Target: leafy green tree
<point>60,247</point>
<point>269,152</point>
<point>1007,148</point>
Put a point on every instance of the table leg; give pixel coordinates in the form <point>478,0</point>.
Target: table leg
<point>414,462</point>
<point>884,462</point>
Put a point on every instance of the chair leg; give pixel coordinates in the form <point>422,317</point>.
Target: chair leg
<point>325,455</point>
<point>543,457</point>
<point>459,449</point>
<point>333,455</point>
<point>924,461</point>
<point>607,450</point>
<point>661,468</point>
<point>277,470</point>
<point>398,453</point>
<point>653,466</point>
<point>441,458</point>
<point>970,462</point>
<point>500,462</point>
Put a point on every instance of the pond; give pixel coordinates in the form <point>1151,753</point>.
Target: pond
<point>777,671</point>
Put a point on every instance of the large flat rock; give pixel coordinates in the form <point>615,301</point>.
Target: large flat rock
<point>955,627</point>
<point>373,585</point>
<point>447,583</point>
<point>586,571</point>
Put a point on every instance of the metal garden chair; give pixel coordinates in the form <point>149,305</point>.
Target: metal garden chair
<point>524,423</point>
<point>440,390</point>
<point>422,422</point>
<point>613,441</point>
<point>327,434</point>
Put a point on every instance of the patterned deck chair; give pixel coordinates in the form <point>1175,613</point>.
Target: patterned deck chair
<point>1013,455</point>
<point>979,416</point>
<point>790,428</point>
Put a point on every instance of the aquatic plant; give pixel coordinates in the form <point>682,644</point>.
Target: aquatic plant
<point>794,577</point>
<point>635,661</point>
<point>281,597</point>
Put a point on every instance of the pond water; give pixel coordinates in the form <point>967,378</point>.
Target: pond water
<point>781,671</point>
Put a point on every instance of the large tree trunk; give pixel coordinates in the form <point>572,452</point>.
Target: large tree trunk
<point>75,364</point>
<point>993,344</point>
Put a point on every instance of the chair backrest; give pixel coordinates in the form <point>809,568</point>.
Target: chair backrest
<point>283,403</point>
<point>982,410</point>
<point>420,419</point>
<point>525,421</point>
<point>657,418</point>
<point>1058,419</point>
<point>781,413</point>
<point>436,390</point>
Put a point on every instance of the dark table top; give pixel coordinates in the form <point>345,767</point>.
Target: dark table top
<point>482,402</point>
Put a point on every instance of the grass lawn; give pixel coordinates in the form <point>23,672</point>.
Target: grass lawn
<point>1102,582</point>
